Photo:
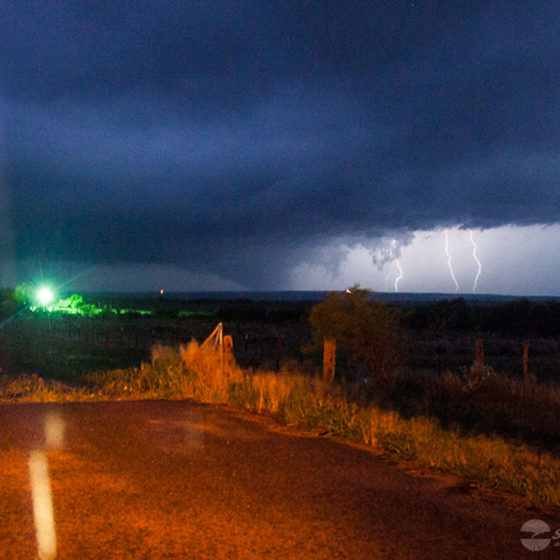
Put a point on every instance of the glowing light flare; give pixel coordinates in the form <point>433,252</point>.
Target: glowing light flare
<point>479,264</point>
<point>42,505</point>
<point>449,265</point>
<point>45,296</point>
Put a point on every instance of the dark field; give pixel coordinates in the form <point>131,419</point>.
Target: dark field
<point>65,347</point>
<point>267,334</point>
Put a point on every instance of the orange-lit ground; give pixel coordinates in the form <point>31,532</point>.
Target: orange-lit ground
<point>178,480</point>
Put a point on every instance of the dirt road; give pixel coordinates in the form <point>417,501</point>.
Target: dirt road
<point>170,479</point>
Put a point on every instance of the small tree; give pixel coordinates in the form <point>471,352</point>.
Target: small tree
<point>369,329</point>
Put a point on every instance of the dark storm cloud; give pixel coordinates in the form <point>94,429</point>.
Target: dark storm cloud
<point>237,136</point>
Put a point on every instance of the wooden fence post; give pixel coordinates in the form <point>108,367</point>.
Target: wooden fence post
<point>526,362</point>
<point>227,354</point>
<point>278,352</point>
<point>329,360</point>
<point>440,349</point>
<point>479,352</point>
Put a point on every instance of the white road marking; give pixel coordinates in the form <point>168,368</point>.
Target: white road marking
<point>42,505</point>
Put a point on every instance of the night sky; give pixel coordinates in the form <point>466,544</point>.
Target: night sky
<point>281,144</point>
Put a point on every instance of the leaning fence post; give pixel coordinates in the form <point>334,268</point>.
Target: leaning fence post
<point>329,360</point>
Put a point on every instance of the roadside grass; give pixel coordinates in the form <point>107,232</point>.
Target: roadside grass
<point>32,388</point>
<point>477,401</point>
<point>410,419</point>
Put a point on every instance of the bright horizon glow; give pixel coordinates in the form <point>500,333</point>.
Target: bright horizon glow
<point>508,260</point>
<point>515,261</point>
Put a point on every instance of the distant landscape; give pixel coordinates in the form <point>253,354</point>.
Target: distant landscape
<point>269,328</point>
<point>319,295</point>
<point>455,383</point>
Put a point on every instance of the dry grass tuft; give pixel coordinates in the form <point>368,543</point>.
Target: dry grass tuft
<point>32,388</point>
<point>210,373</point>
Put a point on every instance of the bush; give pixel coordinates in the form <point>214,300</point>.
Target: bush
<point>370,330</point>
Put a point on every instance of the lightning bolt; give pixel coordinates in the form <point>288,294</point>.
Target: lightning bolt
<point>397,263</point>
<point>477,261</point>
<point>387,280</point>
<point>399,277</point>
<point>449,262</point>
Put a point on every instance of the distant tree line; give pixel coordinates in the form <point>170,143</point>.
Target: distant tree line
<point>522,317</point>
<point>9,304</point>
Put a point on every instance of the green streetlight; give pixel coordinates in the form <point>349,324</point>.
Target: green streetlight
<point>45,296</point>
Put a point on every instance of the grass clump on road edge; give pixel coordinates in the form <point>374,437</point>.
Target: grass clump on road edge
<point>32,388</point>
<point>203,374</point>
